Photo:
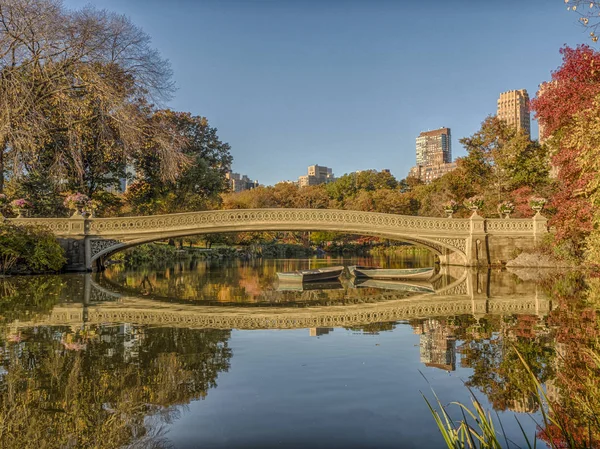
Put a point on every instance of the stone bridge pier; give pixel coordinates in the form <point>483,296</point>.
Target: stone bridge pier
<point>474,241</point>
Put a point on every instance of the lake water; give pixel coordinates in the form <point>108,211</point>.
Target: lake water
<point>220,355</point>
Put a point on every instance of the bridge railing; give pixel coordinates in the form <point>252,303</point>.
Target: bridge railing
<point>80,225</point>
<point>249,216</point>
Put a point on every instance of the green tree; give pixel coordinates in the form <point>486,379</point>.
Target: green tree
<point>201,181</point>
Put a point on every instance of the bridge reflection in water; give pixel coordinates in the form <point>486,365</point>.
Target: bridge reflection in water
<point>458,291</point>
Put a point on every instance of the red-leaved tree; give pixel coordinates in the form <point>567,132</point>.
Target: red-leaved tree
<point>559,105</point>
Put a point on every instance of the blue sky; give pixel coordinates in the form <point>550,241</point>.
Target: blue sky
<point>348,84</point>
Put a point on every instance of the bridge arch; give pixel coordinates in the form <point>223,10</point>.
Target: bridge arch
<point>112,246</point>
<point>441,236</point>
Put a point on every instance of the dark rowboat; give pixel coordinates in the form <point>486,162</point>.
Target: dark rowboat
<point>318,274</point>
<point>391,273</point>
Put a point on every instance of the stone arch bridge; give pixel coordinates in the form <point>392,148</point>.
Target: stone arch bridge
<point>469,242</point>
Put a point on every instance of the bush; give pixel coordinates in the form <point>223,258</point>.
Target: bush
<point>25,248</point>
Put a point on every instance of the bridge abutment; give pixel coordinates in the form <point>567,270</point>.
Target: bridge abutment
<point>477,243</point>
<point>73,241</point>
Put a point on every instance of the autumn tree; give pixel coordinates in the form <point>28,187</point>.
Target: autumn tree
<point>385,201</point>
<point>346,187</point>
<point>501,158</point>
<point>78,84</point>
<point>431,198</point>
<point>258,198</point>
<point>567,108</point>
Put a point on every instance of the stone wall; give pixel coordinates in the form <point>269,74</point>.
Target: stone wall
<point>75,253</point>
<point>505,248</point>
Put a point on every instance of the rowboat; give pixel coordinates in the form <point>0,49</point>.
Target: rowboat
<point>391,273</point>
<point>318,274</point>
<point>411,286</point>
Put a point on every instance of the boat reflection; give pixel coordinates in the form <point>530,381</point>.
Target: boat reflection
<point>305,286</point>
<point>415,286</point>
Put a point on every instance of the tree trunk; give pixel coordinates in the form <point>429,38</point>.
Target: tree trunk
<point>2,151</point>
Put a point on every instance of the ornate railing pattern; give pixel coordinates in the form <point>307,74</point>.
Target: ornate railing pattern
<point>509,225</point>
<point>60,226</point>
<point>132,311</point>
<point>191,220</point>
<point>101,226</point>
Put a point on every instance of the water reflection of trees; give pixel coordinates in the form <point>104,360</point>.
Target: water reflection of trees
<point>227,281</point>
<point>194,280</point>
<point>93,387</point>
<point>24,297</point>
<point>375,328</point>
<point>562,350</point>
<point>490,345</point>
<point>235,283</point>
<point>575,390</point>
<point>96,384</point>
<point>497,369</point>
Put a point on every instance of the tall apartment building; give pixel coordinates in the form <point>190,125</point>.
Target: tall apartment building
<point>437,346</point>
<point>542,88</point>
<point>434,147</point>
<point>542,137</point>
<point>434,155</point>
<point>513,108</point>
<point>238,183</point>
<point>317,174</point>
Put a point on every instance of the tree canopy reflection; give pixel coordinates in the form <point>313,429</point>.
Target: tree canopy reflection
<point>234,283</point>
<point>94,387</point>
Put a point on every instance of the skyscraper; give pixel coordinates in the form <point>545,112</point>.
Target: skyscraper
<point>434,155</point>
<point>434,147</point>
<point>513,108</point>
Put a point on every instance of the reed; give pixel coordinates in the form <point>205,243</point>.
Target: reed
<point>476,429</point>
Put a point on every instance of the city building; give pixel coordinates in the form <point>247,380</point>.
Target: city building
<point>434,155</point>
<point>437,345</point>
<point>428,173</point>
<point>434,147</point>
<point>239,183</point>
<point>513,108</point>
<point>542,137</point>
<point>318,331</point>
<point>317,174</point>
